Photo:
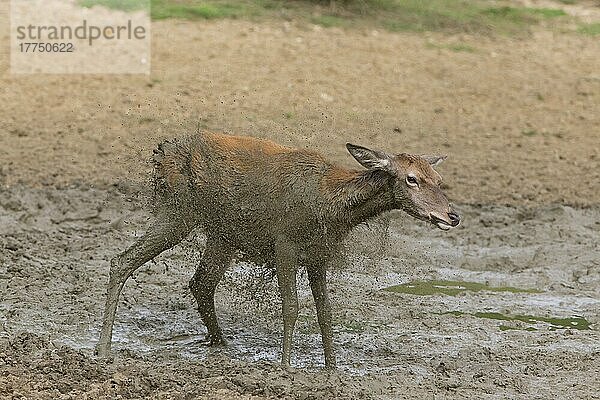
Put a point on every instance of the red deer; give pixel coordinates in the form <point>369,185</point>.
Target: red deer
<point>276,206</point>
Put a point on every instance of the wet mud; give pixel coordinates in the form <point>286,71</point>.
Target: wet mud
<point>505,306</point>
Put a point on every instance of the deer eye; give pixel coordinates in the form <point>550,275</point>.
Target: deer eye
<point>411,180</point>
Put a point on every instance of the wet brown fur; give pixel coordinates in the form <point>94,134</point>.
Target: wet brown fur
<point>267,203</point>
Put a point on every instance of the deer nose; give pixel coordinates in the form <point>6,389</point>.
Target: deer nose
<point>454,218</point>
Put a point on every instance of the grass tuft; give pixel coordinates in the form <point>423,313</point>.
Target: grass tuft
<point>553,323</point>
<point>456,47</point>
<point>461,16</point>
<point>546,12</point>
<point>162,9</point>
<point>475,16</point>
<point>589,29</point>
<point>124,5</point>
<point>328,21</point>
<point>451,288</point>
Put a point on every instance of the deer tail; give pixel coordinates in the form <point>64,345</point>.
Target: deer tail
<point>172,173</point>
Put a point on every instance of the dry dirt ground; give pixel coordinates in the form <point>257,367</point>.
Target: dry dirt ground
<point>519,119</point>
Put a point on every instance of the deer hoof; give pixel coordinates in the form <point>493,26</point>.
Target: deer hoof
<point>103,352</point>
<point>214,341</point>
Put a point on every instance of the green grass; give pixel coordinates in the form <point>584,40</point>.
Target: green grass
<point>514,328</point>
<point>470,16</point>
<point>456,47</point>
<point>546,12</point>
<point>125,5</point>
<point>352,326</point>
<point>395,15</point>
<point>162,9</point>
<point>518,14</point>
<point>328,21</point>
<point>462,16</point>
<point>590,29</point>
<point>451,288</point>
<point>553,323</point>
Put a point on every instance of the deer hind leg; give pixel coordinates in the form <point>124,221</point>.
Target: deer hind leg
<point>215,260</point>
<point>164,233</point>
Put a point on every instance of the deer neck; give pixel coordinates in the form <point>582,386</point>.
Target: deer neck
<point>361,195</point>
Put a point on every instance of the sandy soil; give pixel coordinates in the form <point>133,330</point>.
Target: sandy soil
<point>518,117</point>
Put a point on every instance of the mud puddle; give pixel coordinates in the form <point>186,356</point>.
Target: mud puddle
<point>454,288</point>
<point>511,267</point>
<point>551,323</point>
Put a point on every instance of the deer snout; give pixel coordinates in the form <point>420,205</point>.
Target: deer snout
<point>445,221</point>
<point>454,218</point>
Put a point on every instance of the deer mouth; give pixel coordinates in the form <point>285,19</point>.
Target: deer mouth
<point>442,223</point>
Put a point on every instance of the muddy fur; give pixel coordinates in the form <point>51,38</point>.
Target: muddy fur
<point>271,205</point>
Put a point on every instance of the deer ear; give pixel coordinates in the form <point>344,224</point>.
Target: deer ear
<point>370,159</point>
<point>434,161</point>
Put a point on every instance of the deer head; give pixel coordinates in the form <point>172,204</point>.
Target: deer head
<point>414,184</point>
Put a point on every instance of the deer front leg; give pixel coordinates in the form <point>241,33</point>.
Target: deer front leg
<point>286,263</point>
<point>318,285</point>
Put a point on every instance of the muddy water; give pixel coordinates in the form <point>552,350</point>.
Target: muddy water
<point>506,306</point>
